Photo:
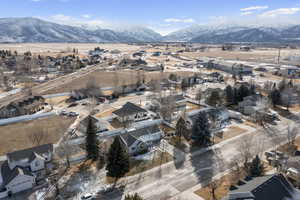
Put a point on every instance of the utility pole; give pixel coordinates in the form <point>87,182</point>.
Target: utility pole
<point>278,59</point>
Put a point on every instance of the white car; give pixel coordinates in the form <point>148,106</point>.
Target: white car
<point>87,196</point>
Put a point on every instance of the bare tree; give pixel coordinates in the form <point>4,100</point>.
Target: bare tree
<point>65,151</point>
<point>213,186</point>
<point>38,135</point>
<point>292,132</point>
<point>167,107</point>
<point>116,83</point>
<point>246,149</point>
<point>92,88</point>
<point>198,95</point>
<point>286,97</point>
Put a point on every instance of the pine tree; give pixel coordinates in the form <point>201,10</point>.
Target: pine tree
<point>92,148</point>
<point>229,95</point>
<point>214,99</point>
<point>181,128</point>
<point>256,167</point>
<point>117,160</point>
<point>242,92</point>
<point>275,97</point>
<point>133,197</point>
<point>200,130</point>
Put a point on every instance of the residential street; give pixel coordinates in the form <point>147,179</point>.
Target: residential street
<point>174,178</point>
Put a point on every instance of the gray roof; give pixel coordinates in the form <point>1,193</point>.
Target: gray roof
<point>273,187</point>
<point>27,153</point>
<point>132,135</point>
<point>8,174</point>
<point>100,124</point>
<point>129,109</point>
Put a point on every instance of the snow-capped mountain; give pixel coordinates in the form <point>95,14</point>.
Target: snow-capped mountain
<point>236,33</point>
<point>140,33</point>
<point>37,30</point>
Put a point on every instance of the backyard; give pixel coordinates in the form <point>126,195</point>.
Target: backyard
<point>18,136</point>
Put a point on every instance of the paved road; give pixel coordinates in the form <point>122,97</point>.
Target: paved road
<point>173,179</point>
<point>51,84</point>
<point>26,118</point>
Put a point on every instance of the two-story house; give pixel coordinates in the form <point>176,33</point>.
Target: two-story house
<point>138,140</point>
<point>23,168</point>
<point>131,112</point>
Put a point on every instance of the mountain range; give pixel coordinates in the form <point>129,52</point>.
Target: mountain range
<point>37,30</point>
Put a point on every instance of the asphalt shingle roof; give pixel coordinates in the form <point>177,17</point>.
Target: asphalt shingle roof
<point>8,175</point>
<point>273,187</point>
<point>27,153</point>
<point>131,136</point>
<point>129,109</point>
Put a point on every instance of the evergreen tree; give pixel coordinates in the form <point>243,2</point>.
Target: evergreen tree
<point>181,128</point>
<point>200,130</point>
<point>214,99</point>
<point>229,95</point>
<point>256,167</point>
<point>133,197</point>
<point>242,92</point>
<point>282,85</point>
<point>117,160</point>
<point>92,148</point>
<point>275,97</point>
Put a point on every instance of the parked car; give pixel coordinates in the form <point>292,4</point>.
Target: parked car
<point>72,105</point>
<point>73,114</point>
<point>63,112</point>
<point>87,196</point>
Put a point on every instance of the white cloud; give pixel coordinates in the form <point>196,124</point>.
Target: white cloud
<point>87,16</point>
<point>61,18</point>
<point>254,8</point>
<point>246,13</point>
<point>175,20</point>
<point>73,21</point>
<point>280,11</point>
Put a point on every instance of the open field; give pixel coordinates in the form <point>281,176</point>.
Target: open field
<point>107,79</point>
<point>40,48</point>
<point>17,136</point>
<point>257,55</point>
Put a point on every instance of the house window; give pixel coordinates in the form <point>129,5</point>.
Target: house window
<point>37,163</point>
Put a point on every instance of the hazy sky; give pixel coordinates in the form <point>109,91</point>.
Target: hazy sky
<point>161,15</point>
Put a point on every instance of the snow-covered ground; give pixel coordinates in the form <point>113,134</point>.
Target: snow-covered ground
<point>14,91</point>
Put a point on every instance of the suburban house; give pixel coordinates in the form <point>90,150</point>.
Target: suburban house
<point>292,168</point>
<point>289,71</point>
<point>253,104</point>
<point>26,106</point>
<point>218,118</point>
<point>24,168</point>
<point>131,112</point>
<point>100,124</point>
<point>229,67</point>
<point>178,100</point>
<point>273,187</point>
<point>139,140</point>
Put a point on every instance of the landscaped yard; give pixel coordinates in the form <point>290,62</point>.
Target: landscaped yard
<point>17,136</point>
<point>230,132</point>
<point>57,101</point>
<point>192,106</point>
<point>139,166</point>
<point>106,113</point>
